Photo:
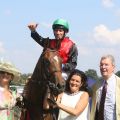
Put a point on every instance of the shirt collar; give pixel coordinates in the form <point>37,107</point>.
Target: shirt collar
<point>111,79</point>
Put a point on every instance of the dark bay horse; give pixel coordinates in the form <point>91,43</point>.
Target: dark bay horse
<point>46,73</point>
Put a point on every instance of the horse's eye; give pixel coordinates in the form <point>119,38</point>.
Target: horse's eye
<point>47,63</point>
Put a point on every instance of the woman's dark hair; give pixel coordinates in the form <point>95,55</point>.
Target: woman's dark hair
<point>84,86</point>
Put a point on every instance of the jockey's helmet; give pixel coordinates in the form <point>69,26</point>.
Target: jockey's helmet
<point>60,24</point>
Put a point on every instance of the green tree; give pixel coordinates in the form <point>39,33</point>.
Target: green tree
<point>24,77</point>
<point>118,73</point>
<point>92,74</point>
<point>21,80</point>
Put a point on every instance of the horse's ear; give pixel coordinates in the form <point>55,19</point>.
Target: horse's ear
<point>46,43</point>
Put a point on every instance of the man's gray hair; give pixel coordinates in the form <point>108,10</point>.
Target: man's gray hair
<point>110,57</point>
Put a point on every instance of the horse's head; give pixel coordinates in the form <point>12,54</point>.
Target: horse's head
<point>53,68</point>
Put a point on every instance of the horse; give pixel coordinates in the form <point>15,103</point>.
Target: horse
<point>47,74</point>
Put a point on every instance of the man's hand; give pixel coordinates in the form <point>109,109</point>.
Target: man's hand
<point>32,26</point>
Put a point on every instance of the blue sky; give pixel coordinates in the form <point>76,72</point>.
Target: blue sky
<point>94,27</point>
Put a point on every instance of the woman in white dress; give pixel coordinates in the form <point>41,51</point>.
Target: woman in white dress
<point>74,102</point>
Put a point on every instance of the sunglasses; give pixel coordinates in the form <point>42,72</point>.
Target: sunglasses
<point>3,72</point>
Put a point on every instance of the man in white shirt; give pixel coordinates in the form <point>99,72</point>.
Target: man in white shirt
<point>112,99</point>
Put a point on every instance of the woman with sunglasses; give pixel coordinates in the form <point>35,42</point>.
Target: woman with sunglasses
<point>8,72</point>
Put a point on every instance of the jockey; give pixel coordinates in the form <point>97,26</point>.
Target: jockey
<point>65,47</point>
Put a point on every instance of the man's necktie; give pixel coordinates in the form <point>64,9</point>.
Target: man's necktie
<point>100,115</point>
